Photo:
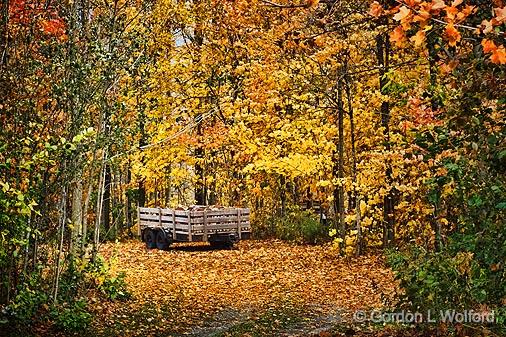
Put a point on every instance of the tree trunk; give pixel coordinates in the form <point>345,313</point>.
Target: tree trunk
<point>355,199</point>
<point>107,199</point>
<point>383,53</point>
<point>340,164</point>
<point>62,221</point>
<point>100,198</point>
<point>4,38</point>
<point>77,217</point>
<point>358,218</point>
<point>142,143</point>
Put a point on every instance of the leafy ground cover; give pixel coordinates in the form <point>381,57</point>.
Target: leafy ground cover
<point>258,288</point>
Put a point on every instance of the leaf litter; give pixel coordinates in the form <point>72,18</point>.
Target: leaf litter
<point>192,289</point>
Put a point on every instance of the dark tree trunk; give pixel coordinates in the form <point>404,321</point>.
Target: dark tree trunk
<point>4,40</point>
<point>339,166</point>
<point>383,53</point>
<point>142,143</point>
<point>200,188</point>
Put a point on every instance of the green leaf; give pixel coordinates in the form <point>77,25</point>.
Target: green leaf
<point>501,205</point>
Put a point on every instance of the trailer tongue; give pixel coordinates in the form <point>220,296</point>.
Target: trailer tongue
<point>221,227</point>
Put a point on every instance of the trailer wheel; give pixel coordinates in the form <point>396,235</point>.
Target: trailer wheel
<point>150,238</point>
<point>162,242</point>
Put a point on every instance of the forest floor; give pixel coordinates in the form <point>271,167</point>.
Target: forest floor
<point>259,288</point>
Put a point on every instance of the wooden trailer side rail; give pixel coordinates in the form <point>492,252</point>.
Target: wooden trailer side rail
<point>195,222</point>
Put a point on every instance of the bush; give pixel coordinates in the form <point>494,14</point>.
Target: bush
<point>72,318</point>
<point>114,287</point>
<point>27,302</point>
<point>300,226</point>
<point>449,280</point>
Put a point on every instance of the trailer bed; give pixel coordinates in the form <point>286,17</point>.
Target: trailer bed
<point>215,225</point>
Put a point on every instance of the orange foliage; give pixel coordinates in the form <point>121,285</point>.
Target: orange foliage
<point>198,283</point>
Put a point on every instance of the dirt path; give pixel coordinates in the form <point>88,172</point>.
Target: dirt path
<point>259,288</point>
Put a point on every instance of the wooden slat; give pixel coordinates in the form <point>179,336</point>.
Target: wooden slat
<point>209,213</point>
<point>221,212</point>
<point>239,223</point>
<point>228,226</point>
<point>163,218</point>
<point>179,224</point>
<point>205,227</point>
<point>232,218</point>
<point>138,222</point>
<point>149,224</point>
<point>173,225</point>
<point>189,227</point>
<point>178,212</point>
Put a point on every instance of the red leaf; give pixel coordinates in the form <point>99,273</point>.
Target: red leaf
<point>53,27</point>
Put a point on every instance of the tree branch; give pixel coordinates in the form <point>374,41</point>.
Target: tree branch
<point>273,4</point>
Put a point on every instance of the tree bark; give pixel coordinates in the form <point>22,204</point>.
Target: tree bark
<point>4,34</point>
<point>106,209</point>
<point>355,199</point>
<point>62,221</point>
<point>383,56</point>
<point>100,198</point>
<point>77,217</point>
<point>339,190</point>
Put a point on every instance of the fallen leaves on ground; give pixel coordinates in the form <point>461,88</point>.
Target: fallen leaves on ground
<point>178,289</point>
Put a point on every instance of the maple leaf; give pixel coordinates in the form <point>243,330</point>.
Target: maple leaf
<point>437,5</point>
<point>488,46</point>
<point>376,9</point>
<point>499,55</point>
<point>452,34</point>
<point>403,13</point>
<point>418,38</point>
<point>455,3</point>
<point>447,68</point>
<point>422,16</point>
<point>398,36</point>
<point>451,13</point>
<point>500,14</point>
<point>487,26</point>
<point>465,13</point>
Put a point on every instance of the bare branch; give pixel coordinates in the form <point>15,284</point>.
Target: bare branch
<point>273,4</point>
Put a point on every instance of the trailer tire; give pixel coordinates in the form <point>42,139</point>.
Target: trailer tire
<point>150,238</point>
<point>162,241</point>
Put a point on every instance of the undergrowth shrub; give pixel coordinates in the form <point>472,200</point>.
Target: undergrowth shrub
<point>27,302</point>
<point>73,317</point>
<point>450,280</point>
<point>34,301</point>
<point>297,226</point>
<point>112,285</point>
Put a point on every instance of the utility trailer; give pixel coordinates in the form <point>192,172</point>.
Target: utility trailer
<point>221,227</point>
